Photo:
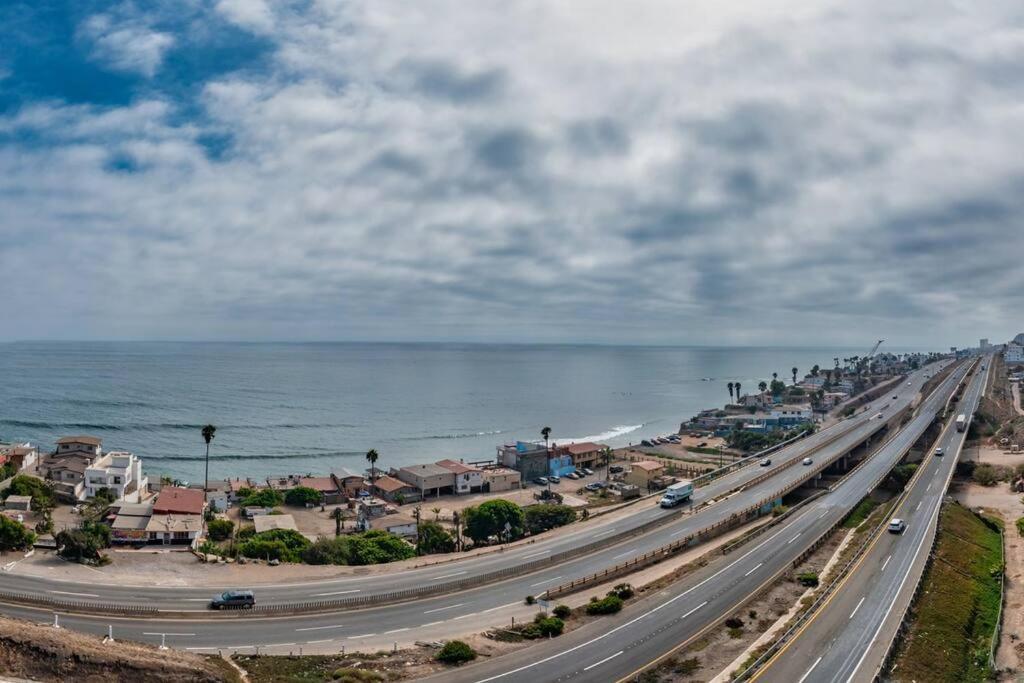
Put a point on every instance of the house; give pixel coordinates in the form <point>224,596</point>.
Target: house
<point>1013,352</point>
<point>174,529</point>
<point>529,459</point>
<point>174,500</point>
<point>396,490</point>
<point>90,445</point>
<point>643,473</point>
<point>372,507</point>
<point>468,479</point>
<point>66,466</point>
<point>428,478</point>
<point>399,525</point>
<point>789,415</point>
<point>130,522</point>
<point>22,456</point>
<point>330,492</point>
<point>20,503</point>
<point>271,522</point>
<point>120,472</point>
<point>501,479</point>
<point>349,483</point>
<point>585,454</point>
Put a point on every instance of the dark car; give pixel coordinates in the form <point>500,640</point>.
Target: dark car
<point>615,469</point>
<point>233,600</point>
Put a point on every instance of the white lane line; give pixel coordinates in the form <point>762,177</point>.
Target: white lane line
<point>918,505</point>
<point>195,599</point>
<point>628,552</point>
<point>885,564</point>
<point>320,595</point>
<point>804,677</point>
<point>448,576</point>
<point>279,645</point>
<point>82,595</point>
<point>694,609</point>
<point>396,630</point>
<point>588,668</point>
<point>604,533</point>
<point>314,642</point>
<point>167,634</point>
<point>542,552</point>
<point>495,609</point>
<point>754,569</point>
<point>319,628</point>
<point>679,533</point>
<point>541,583</point>
<point>441,609</point>
<point>857,607</point>
<point>435,623</point>
<point>365,635</point>
<point>823,514</point>
<point>793,539</point>
<point>464,616</point>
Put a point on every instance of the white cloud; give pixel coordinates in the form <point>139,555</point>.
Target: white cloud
<point>529,170</point>
<point>126,45</point>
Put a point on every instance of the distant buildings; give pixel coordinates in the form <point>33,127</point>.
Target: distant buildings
<point>529,459</point>
<point>642,474</point>
<point>468,479</point>
<point>1013,352</point>
<point>22,456</point>
<point>429,478</point>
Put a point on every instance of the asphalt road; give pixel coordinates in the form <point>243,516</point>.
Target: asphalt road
<point>486,606</point>
<point>678,522</point>
<point>848,638</point>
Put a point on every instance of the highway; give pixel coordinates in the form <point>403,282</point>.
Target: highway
<point>540,558</point>
<point>616,648</point>
<point>848,638</point>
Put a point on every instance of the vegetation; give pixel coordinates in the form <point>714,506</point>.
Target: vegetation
<point>955,616</point>
<point>220,529</point>
<point>900,475</point>
<point>286,545</point>
<point>83,544</point>
<point>371,457</point>
<point>489,519</point>
<point>809,579</point>
<point>744,440</point>
<point>543,626</point>
<point>14,535</point>
<point>433,539</point>
<point>41,492</point>
<point>542,517</point>
<point>353,675</point>
<point>1020,526</point>
<point>263,498</point>
<point>610,604</point>
<point>988,475</point>
<point>562,611</point>
<point>455,652</point>
<point>860,513</point>
<point>371,547</point>
<point>301,496</point>
<point>208,432</point>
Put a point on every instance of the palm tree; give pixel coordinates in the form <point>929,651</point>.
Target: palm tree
<point>762,386</point>
<point>794,371</point>
<point>730,385</point>
<point>815,370</point>
<point>546,433</point>
<point>371,457</point>
<point>457,522</point>
<point>775,376</point>
<point>437,513</point>
<point>607,463</point>
<point>837,362</point>
<point>338,521</point>
<point>208,433</point>
<point>738,386</point>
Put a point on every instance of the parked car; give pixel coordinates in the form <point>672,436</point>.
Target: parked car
<point>939,451</point>
<point>615,469</point>
<point>543,481</point>
<point>587,471</point>
<point>236,599</point>
<point>554,479</point>
<point>646,443</point>
<point>897,526</point>
<point>593,486</point>
<point>766,462</point>
<point>808,461</point>
<point>572,475</point>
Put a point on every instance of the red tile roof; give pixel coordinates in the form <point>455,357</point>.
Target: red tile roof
<point>176,500</point>
<point>456,467</point>
<point>584,447</point>
<point>390,484</point>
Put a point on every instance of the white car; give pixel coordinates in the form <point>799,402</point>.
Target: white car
<point>766,462</point>
<point>939,451</point>
<point>897,526</point>
<point>808,461</point>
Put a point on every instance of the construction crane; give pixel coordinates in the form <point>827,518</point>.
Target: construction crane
<point>873,349</point>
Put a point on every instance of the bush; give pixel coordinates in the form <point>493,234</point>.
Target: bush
<point>286,545</point>
<point>809,579</point>
<point>83,545</point>
<point>562,611</point>
<point>24,485</point>
<point>14,536</point>
<point>530,600</point>
<point>455,652</point>
<point>735,633</point>
<point>610,604</point>
<point>539,518</point>
<point>371,547</point>
<point>300,496</point>
<point>245,532</point>
<point>779,510</point>
<point>734,622</point>
<point>487,520</point>
<point>548,626</point>
<point>264,498</point>
<point>434,539</point>
<point>986,474</point>
<point>1020,526</point>
<point>350,675</point>
<point>623,590</point>
<point>220,529</point>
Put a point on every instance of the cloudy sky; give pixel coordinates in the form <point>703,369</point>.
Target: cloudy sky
<point>651,171</point>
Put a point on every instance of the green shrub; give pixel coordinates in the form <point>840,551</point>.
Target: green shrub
<point>530,600</point>
<point>546,516</point>
<point>735,633</point>
<point>245,532</point>
<point>610,604</point>
<point>562,611</point>
<point>286,545</point>
<point>434,538</point>
<point>300,496</point>
<point>350,675</point>
<point>734,622</point>
<point>24,485</point>
<point>14,535</point>
<point>455,652</point>
<point>83,545</point>
<point>220,529</point>
<point>371,547</point>
<point>487,520</point>
<point>623,590</point>
<point>809,579</point>
<point>1020,526</point>
<point>263,498</point>
<point>549,626</point>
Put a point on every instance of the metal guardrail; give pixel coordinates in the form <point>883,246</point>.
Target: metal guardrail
<point>708,477</point>
<point>77,606</point>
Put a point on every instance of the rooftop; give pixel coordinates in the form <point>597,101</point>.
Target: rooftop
<point>582,447</point>
<point>457,467</point>
<point>175,523</point>
<point>648,465</point>
<point>174,499</point>
<point>270,522</point>
<point>90,440</point>
<point>390,484</point>
<point>426,470</point>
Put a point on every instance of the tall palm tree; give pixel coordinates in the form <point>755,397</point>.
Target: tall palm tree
<point>371,457</point>
<point>546,433</point>
<point>738,387</point>
<point>730,385</point>
<point>762,386</point>
<point>337,515</point>
<point>837,362</point>
<point>208,432</point>
<point>794,371</point>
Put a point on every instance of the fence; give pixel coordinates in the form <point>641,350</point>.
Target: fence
<point>77,606</point>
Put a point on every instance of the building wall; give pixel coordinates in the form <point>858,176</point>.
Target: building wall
<point>503,481</point>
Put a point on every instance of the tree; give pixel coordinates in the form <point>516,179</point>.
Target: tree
<point>546,433</point>
<point>539,518</point>
<point>489,519</point>
<point>338,516</point>
<point>263,498</point>
<point>739,387</point>
<point>41,491</point>
<point>14,535</point>
<point>220,529</point>
<point>433,539</point>
<point>371,457</point>
<point>455,652</point>
<point>286,545</point>
<point>837,363</point>
<point>794,370</point>
<point>83,544</point>
<point>762,386</point>
<point>730,385</point>
<point>437,513</point>
<point>301,496</point>
<point>777,387</point>
<point>815,370</point>
<point>775,375</point>
<point>208,433</point>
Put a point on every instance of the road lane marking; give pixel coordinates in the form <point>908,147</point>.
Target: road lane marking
<point>494,609</point>
<point>857,607</point>
<point>804,677</point>
<point>606,659</point>
<point>167,634</point>
<point>82,595</point>
<point>541,583</point>
<point>604,533</point>
<point>365,635</point>
<point>319,628</point>
<point>928,489</point>
<point>885,564</point>
<point>448,576</point>
<point>314,642</point>
<point>441,609</point>
<point>396,630</point>
<point>793,539</point>
<point>464,616</point>
<point>679,533</point>
<point>542,552</point>
<point>823,514</point>
<point>628,552</point>
<point>435,623</point>
<point>754,569</point>
<point>918,505</point>
<point>320,595</point>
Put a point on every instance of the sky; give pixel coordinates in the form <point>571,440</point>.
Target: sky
<point>649,172</point>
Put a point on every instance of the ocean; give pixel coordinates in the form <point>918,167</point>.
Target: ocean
<point>283,408</point>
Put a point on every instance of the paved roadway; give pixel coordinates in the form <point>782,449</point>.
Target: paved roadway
<point>473,609</point>
<point>849,637</point>
<point>678,523</point>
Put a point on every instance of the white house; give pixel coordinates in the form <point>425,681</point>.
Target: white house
<point>789,414</point>
<point>119,471</point>
<point>468,479</point>
<point>1014,352</point>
